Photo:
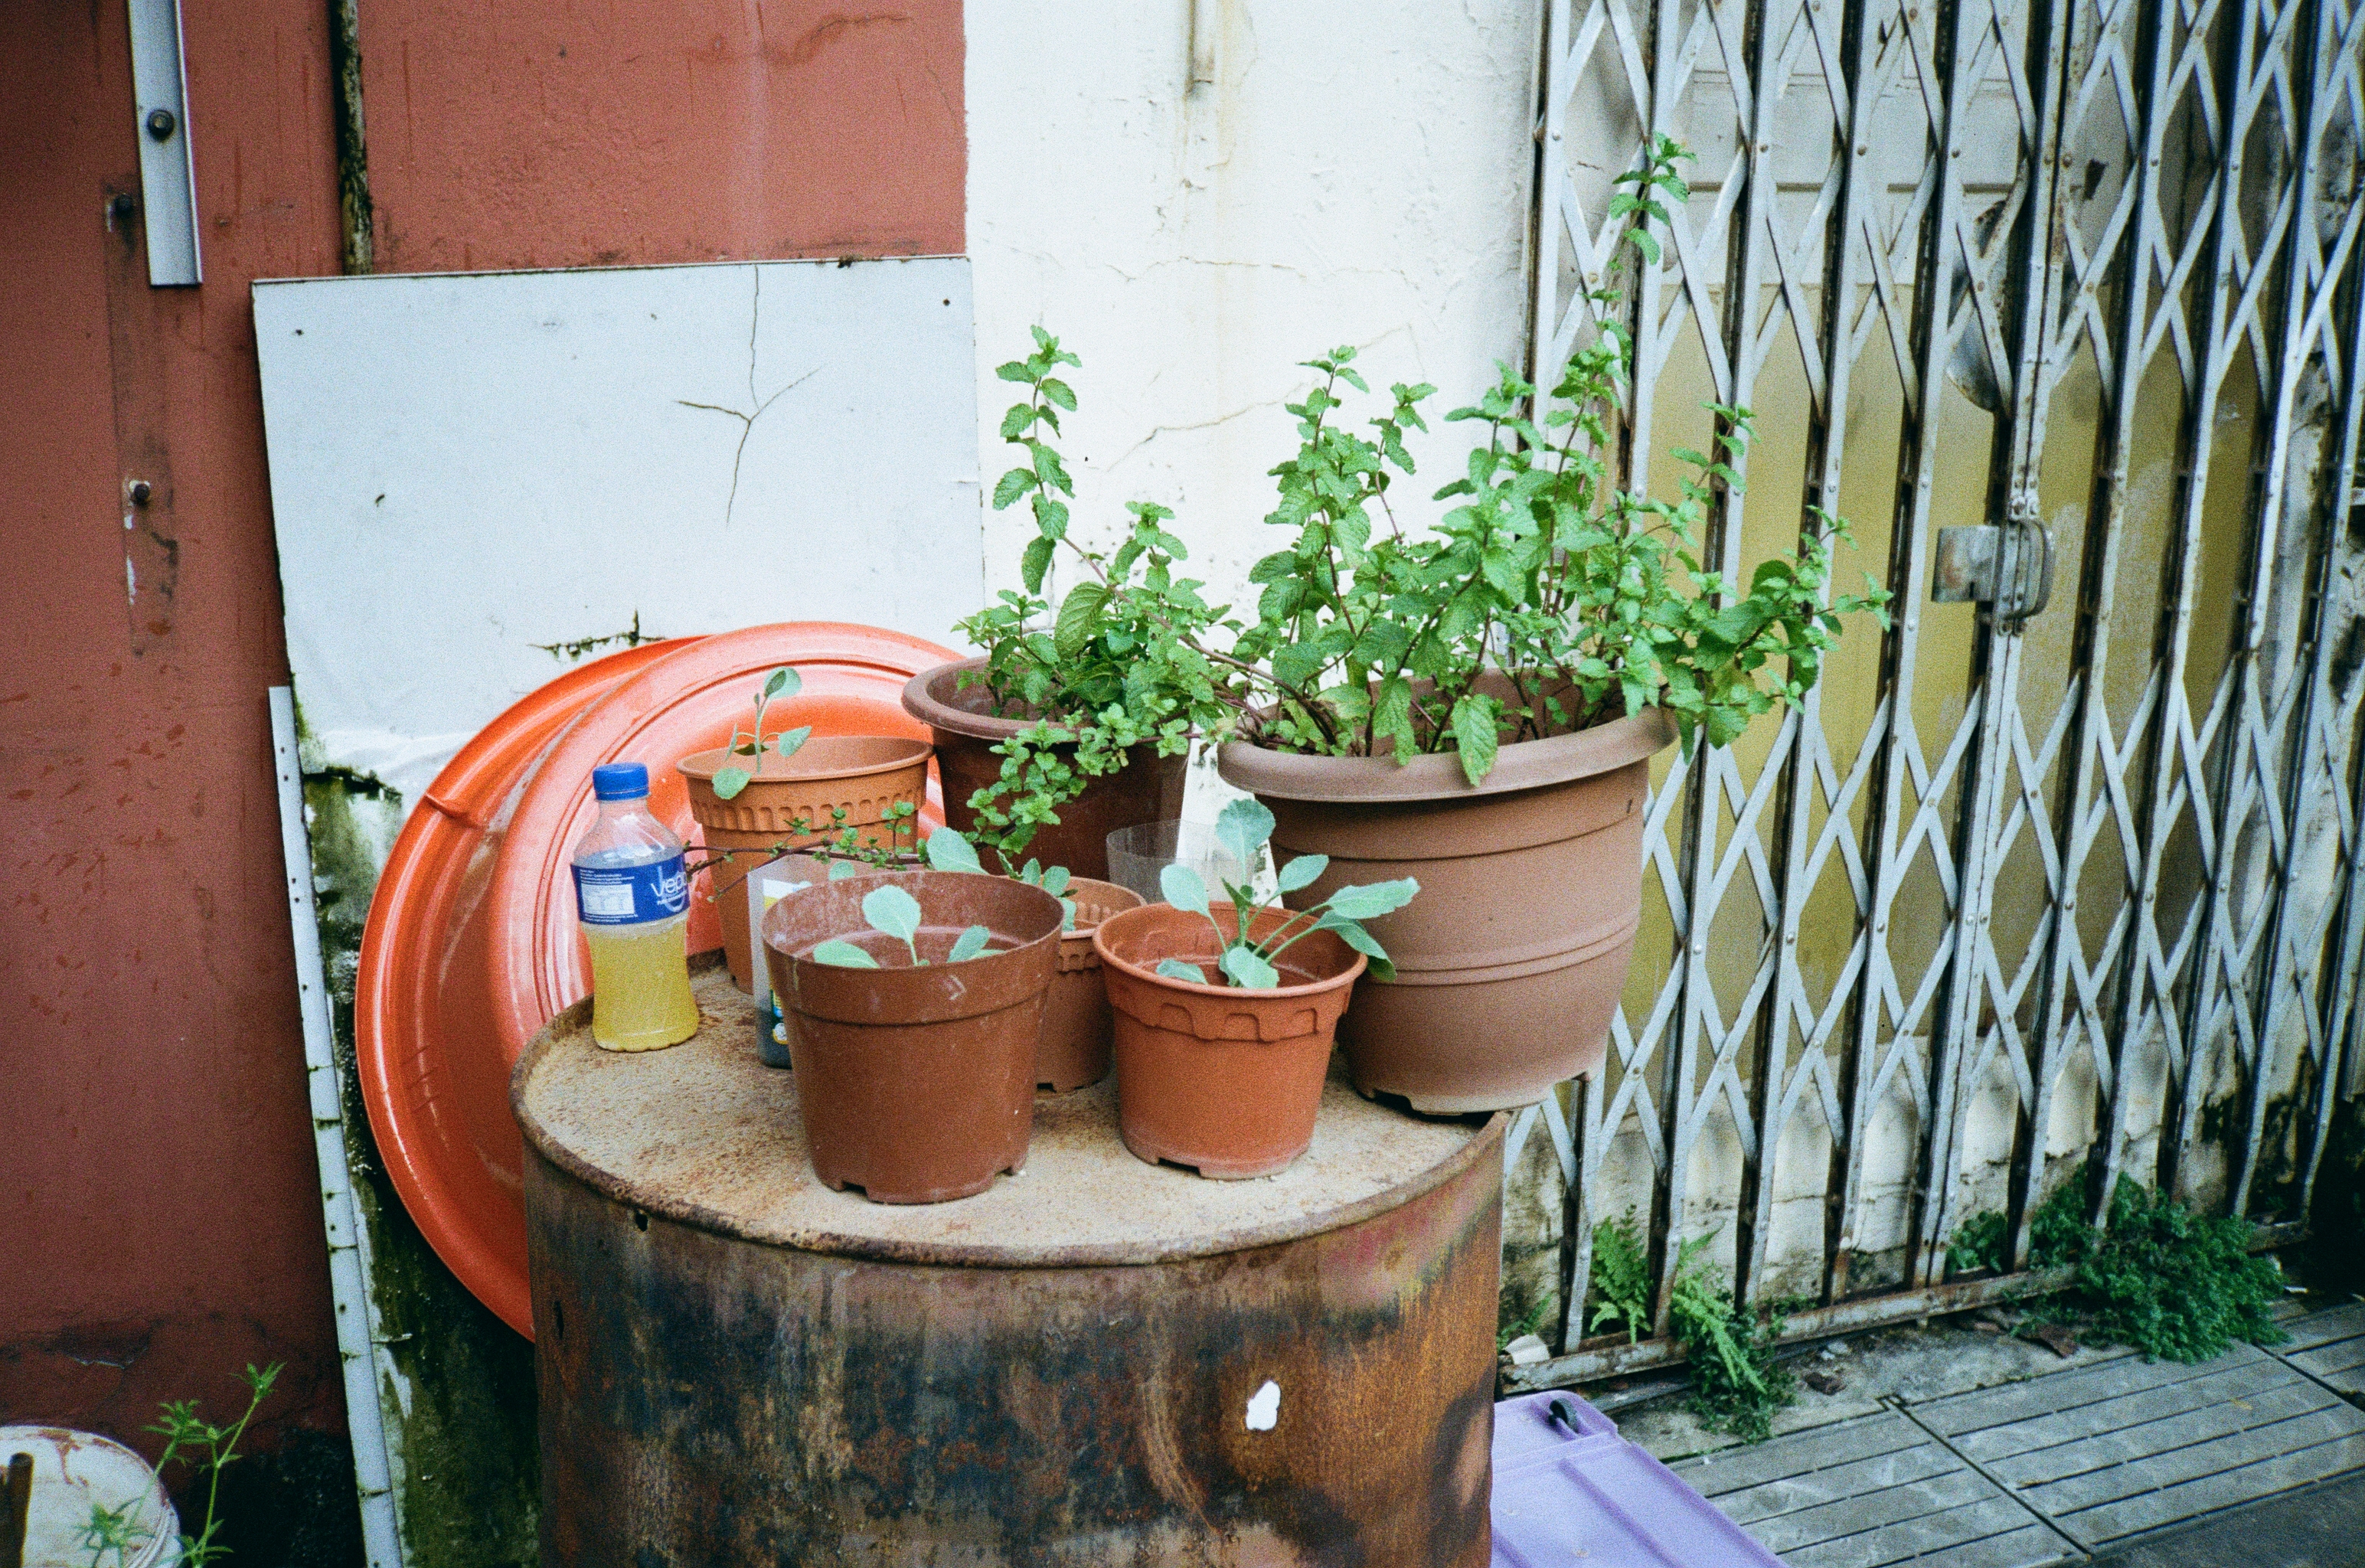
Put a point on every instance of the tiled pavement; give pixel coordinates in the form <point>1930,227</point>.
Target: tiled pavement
<point>2060,1465</point>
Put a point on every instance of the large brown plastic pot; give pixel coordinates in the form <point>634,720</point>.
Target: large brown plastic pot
<point>1219,1078</point>
<point>864,775</point>
<point>1511,962</point>
<point>1074,1049</point>
<point>1147,788</point>
<point>916,1084</point>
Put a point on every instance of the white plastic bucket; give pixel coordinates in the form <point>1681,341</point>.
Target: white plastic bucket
<point>74,1473</point>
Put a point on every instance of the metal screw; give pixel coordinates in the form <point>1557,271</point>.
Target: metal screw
<point>161,124</point>
<point>122,207</point>
<point>139,492</point>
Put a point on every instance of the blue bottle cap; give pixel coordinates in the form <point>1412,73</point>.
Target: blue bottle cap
<point>621,781</point>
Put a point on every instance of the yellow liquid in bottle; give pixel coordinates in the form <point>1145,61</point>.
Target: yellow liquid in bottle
<point>640,986</point>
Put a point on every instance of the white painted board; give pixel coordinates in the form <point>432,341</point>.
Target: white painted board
<point>475,475</point>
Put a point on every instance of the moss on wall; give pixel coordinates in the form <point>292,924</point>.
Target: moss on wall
<point>455,1383</point>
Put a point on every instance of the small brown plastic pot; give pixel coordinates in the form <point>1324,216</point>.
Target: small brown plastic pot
<point>1147,788</point>
<point>863,774</point>
<point>915,1084</point>
<point>1509,964</point>
<point>1221,1079</point>
<point>1074,1049</point>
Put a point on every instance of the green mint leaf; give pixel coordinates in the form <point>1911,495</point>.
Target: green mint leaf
<point>1034,564</point>
<point>1474,736</point>
<point>1080,616</point>
<point>1012,485</point>
<point>729,781</point>
<point>788,742</point>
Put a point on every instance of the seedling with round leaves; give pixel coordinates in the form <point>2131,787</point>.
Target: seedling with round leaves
<point>729,780</point>
<point>949,851</point>
<point>1243,827</point>
<point>892,912</point>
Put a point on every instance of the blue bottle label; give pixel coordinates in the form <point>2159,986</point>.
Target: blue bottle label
<point>632,895</point>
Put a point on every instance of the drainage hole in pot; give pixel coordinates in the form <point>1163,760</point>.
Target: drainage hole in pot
<point>640,1220</point>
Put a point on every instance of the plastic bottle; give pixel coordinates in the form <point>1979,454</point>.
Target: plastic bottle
<point>632,893</point>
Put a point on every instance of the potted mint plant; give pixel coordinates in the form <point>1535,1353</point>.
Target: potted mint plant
<point>1077,718</point>
<point>1226,1012</point>
<point>914,1001</point>
<point>1477,704</point>
<point>762,794</point>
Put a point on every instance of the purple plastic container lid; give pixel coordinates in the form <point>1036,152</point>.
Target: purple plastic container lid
<point>1591,1499</point>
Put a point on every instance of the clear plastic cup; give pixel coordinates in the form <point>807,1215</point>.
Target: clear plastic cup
<point>1138,854</point>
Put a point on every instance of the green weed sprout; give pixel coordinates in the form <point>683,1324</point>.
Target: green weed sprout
<point>892,912</point>
<point>1243,827</point>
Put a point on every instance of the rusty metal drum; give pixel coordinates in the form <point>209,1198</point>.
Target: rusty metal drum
<point>1096,1361</point>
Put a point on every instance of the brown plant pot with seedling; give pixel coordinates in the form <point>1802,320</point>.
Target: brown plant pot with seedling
<point>914,1001</point>
<point>1073,1052</point>
<point>1225,1016</point>
<point>1147,788</point>
<point>1509,965</point>
<point>1078,1027</point>
<point>759,797</point>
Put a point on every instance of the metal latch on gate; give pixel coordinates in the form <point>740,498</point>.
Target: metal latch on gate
<point>2008,566</point>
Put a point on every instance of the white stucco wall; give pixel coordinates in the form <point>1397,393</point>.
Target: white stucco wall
<point>1352,174</point>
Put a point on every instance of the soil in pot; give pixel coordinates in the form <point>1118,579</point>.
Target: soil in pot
<point>1074,1050</point>
<point>916,1083</point>
<point>1511,962</point>
<point>1147,788</point>
<point>1221,1079</point>
<point>862,775</point>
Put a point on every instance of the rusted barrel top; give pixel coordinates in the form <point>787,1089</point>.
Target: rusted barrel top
<point>704,1134</point>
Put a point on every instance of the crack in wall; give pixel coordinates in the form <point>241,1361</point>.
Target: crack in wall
<point>747,421</point>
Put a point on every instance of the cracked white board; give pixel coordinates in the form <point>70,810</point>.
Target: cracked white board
<point>479,479</point>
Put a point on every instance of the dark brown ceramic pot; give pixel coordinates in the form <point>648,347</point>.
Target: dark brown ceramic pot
<point>1147,788</point>
<point>1224,1080</point>
<point>916,1084</point>
<point>1509,963</point>
<point>1074,1049</point>
<point>863,774</point>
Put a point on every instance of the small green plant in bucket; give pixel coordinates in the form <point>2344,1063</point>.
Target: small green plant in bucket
<point>781,683</point>
<point>949,851</point>
<point>1243,827</point>
<point>892,912</point>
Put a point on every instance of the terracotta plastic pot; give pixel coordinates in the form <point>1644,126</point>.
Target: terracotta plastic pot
<point>1147,788</point>
<point>1220,1079</point>
<point>916,1084</point>
<point>863,774</point>
<point>1509,963</point>
<point>1074,1050</point>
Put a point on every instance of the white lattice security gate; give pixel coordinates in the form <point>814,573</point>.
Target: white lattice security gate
<point>2008,892</point>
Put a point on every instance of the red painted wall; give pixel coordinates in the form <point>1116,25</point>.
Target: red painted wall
<point>159,1216</point>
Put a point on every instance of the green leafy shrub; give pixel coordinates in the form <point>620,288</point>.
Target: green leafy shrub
<point>1980,1243</point>
<point>2177,1285</point>
<point>207,1450</point>
<point>2174,1284</point>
